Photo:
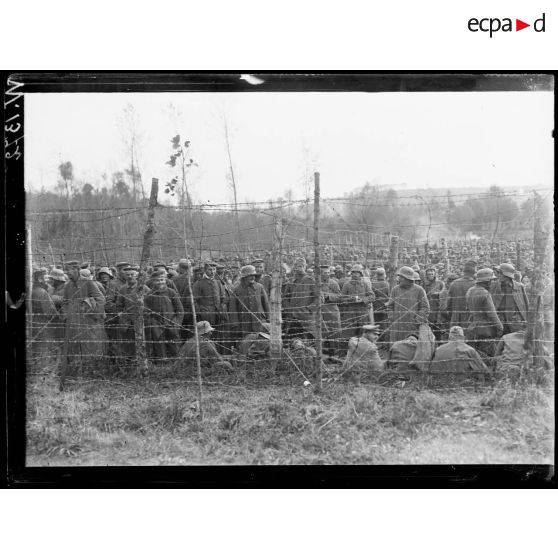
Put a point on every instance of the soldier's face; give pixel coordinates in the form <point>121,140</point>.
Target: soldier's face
<point>430,275</point>
<point>159,283</point>
<point>356,275</point>
<point>251,279</point>
<point>210,271</point>
<point>299,269</point>
<point>104,278</point>
<point>259,268</point>
<point>72,273</point>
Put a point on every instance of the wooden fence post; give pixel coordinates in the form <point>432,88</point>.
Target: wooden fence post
<point>275,295</point>
<point>138,317</point>
<point>393,260</point>
<point>317,278</point>
<point>541,233</point>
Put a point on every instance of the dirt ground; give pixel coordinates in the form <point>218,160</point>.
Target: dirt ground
<point>265,417</point>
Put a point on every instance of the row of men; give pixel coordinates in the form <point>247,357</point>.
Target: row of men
<point>486,306</point>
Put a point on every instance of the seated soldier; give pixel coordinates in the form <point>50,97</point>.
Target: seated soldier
<point>209,355</point>
<point>402,353</point>
<point>362,356</point>
<point>256,345</point>
<point>301,354</point>
<point>510,354</point>
<point>456,356</point>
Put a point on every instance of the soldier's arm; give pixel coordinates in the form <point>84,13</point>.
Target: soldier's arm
<point>265,304</point>
<point>177,306</point>
<point>423,307</point>
<point>94,292</point>
<point>492,314</point>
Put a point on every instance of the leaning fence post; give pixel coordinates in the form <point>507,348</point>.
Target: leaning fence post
<point>139,322</point>
<point>317,278</point>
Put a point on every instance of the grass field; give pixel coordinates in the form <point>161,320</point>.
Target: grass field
<point>264,417</point>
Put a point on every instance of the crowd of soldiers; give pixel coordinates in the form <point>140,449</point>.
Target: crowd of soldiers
<point>476,313</point>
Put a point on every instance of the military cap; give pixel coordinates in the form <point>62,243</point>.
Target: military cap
<point>122,264</point>
<point>357,268</point>
<point>257,261</point>
<point>204,327</point>
<point>104,270</point>
<point>247,270</point>
<point>184,263</point>
<point>507,270</point>
<point>40,271</point>
<point>371,327</point>
<point>158,273</point>
<point>406,272</point>
<point>58,275</point>
<point>485,274</point>
<point>72,263</point>
<point>160,265</point>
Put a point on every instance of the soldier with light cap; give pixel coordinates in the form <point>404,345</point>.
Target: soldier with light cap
<point>484,326</point>
<point>408,306</point>
<point>510,300</point>
<point>358,297</point>
<point>456,356</point>
<point>249,305</point>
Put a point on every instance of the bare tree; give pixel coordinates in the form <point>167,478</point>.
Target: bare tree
<point>231,175</point>
<point>133,136</point>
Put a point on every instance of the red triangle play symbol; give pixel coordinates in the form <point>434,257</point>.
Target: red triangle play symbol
<point>519,25</point>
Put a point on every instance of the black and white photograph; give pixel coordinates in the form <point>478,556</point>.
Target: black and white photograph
<point>286,269</point>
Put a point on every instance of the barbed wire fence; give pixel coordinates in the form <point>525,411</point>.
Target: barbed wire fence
<point>278,234</point>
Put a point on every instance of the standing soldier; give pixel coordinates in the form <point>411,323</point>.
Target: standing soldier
<point>249,305</point>
<point>358,297</point>
<point>484,326</point>
<point>408,307</point>
<point>107,286</point>
<point>331,294</point>
<point>380,288</point>
<point>182,287</point>
<point>262,277</point>
<point>510,300</point>
<point>222,278</point>
<point>123,312</point>
<point>433,287</point>
<point>443,316</point>
<point>340,276</point>
<point>121,278</point>
<point>209,300</point>
<point>56,292</point>
<point>302,299</point>
<point>84,310</point>
<point>164,314</point>
<point>457,301</point>
<point>43,314</point>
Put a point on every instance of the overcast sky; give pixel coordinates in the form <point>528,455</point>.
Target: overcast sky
<point>434,140</point>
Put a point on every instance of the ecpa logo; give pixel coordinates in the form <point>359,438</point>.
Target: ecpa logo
<point>494,24</point>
